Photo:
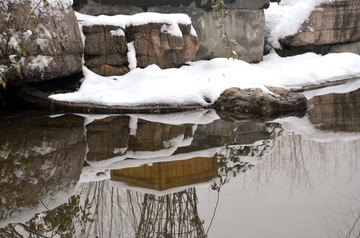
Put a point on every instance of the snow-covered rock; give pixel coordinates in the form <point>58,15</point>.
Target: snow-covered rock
<point>114,44</point>
<point>42,38</point>
<point>330,23</point>
<point>313,25</point>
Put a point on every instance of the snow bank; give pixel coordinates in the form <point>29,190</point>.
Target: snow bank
<point>170,21</point>
<point>202,82</point>
<point>286,18</point>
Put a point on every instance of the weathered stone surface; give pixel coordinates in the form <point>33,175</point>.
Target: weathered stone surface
<point>46,44</point>
<point>254,103</point>
<point>331,23</point>
<point>246,25</point>
<point>106,47</point>
<point>38,164</point>
<point>105,50</point>
<point>153,46</point>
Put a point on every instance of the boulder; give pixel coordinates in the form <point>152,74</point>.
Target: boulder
<point>43,41</point>
<point>106,47</point>
<point>105,50</point>
<point>155,46</point>
<point>330,23</point>
<point>236,103</point>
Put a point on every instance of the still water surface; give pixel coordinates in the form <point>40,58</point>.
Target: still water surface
<point>182,175</point>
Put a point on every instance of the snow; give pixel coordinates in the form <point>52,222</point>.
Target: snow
<point>170,21</point>
<point>131,55</point>
<point>201,82</point>
<point>40,62</point>
<point>286,18</point>
<point>307,130</point>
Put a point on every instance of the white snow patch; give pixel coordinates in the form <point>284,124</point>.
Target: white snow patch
<point>40,62</point>
<point>170,20</point>
<point>202,82</point>
<point>131,56</point>
<point>118,32</point>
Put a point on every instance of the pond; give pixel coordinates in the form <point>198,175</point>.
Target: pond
<point>182,175</point>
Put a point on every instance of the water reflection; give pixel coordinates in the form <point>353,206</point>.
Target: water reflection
<point>182,175</point>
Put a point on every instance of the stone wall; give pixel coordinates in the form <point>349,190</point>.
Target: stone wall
<point>246,23</point>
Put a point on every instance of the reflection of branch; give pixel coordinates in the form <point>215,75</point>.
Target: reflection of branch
<point>213,216</point>
<point>353,227</point>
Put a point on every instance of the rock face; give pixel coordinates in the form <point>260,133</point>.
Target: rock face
<point>107,50</point>
<point>44,41</point>
<point>332,23</point>
<point>245,24</point>
<point>236,103</point>
<point>152,46</point>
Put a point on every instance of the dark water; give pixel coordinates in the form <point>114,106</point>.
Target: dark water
<point>182,175</point>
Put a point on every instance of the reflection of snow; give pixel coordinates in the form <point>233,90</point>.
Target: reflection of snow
<point>307,130</point>
<point>44,149</point>
<point>192,117</point>
<point>344,88</point>
<point>95,173</point>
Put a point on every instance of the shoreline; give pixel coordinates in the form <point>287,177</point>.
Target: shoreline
<point>37,99</point>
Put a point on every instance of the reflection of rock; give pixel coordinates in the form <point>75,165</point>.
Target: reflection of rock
<point>236,103</point>
<point>337,112</point>
<point>39,158</point>
<point>125,136</point>
<point>171,174</point>
<point>107,137</point>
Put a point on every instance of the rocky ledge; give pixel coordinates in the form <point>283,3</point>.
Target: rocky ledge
<point>239,104</point>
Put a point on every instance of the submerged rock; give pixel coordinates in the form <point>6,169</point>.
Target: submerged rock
<point>236,103</point>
